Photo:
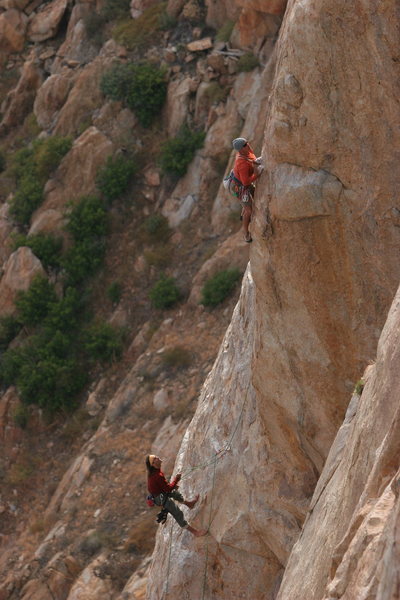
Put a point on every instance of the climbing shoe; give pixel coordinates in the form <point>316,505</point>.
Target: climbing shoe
<point>162,516</point>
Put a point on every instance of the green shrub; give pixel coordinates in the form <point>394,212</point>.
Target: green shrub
<point>156,228</point>
<point>176,358</point>
<point>9,329</point>
<point>114,178</point>
<point>164,293</point>
<point>49,153</point>
<point>247,62</point>
<point>31,167</point>
<point>114,292</point>
<point>103,342</point>
<point>177,153</point>
<point>359,387</point>
<point>82,260</point>
<point>116,9</point>
<point>22,163</point>
<point>34,304</point>
<point>225,32</point>
<point>88,219</point>
<point>45,371</point>
<point>219,287</point>
<point>64,315</point>
<point>46,247</point>
<point>142,87</point>
<point>140,32</point>
<point>27,199</point>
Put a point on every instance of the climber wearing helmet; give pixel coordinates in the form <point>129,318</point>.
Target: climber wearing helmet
<point>247,169</point>
<point>162,492</point>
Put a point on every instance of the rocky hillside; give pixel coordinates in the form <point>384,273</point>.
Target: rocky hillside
<point>111,189</point>
<point>98,365</point>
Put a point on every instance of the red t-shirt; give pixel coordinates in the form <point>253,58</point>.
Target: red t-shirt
<point>244,168</point>
<point>156,483</point>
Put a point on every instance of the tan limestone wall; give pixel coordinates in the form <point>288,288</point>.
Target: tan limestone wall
<point>348,545</point>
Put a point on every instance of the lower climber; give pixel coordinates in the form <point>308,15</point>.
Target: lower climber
<point>247,169</point>
<point>164,493</point>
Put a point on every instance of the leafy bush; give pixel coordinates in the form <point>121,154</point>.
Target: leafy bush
<point>103,342</point>
<point>27,199</point>
<point>219,287</point>
<point>113,179</point>
<point>9,329</point>
<point>156,228</point>
<point>142,87</point>
<point>140,32</point>
<point>45,371</point>
<point>64,314</point>
<point>87,219</point>
<point>46,247</point>
<point>247,62</point>
<point>114,292</point>
<point>225,32</point>
<point>177,153</point>
<point>164,293</point>
<point>82,260</point>
<point>31,167</point>
<point>49,153</point>
<point>176,358</point>
<point>34,304</point>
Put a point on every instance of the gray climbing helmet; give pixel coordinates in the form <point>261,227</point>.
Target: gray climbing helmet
<point>238,143</point>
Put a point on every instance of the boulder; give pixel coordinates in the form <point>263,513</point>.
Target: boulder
<point>161,399</point>
<point>83,99</point>
<point>51,96</point>
<point>13,25</point>
<point>45,22</point>
<point>177,105</point>
<point>19,101</point>
<point>76,46</point>
<point>19,271</point>
<point>88,153</point>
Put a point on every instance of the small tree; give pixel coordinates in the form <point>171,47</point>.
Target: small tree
<point>177,153</point>
<point>219,287</point>
<point>103,342</point>
<point>164,293</point>
<point>142,87</point>
<point>114,178</point>
<point>34,304</point>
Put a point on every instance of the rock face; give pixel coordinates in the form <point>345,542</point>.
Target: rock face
<point>348,543</point>
<point>12,32</point>
<point>19,271</point>
<point>325,272</point>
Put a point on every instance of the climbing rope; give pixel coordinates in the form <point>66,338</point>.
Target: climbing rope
<point>169,561</point>
<point>208,529</point>
<point>217,456</point>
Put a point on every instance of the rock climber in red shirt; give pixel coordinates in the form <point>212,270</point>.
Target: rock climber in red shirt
<point>247,169</point>
<point>163,492</point>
